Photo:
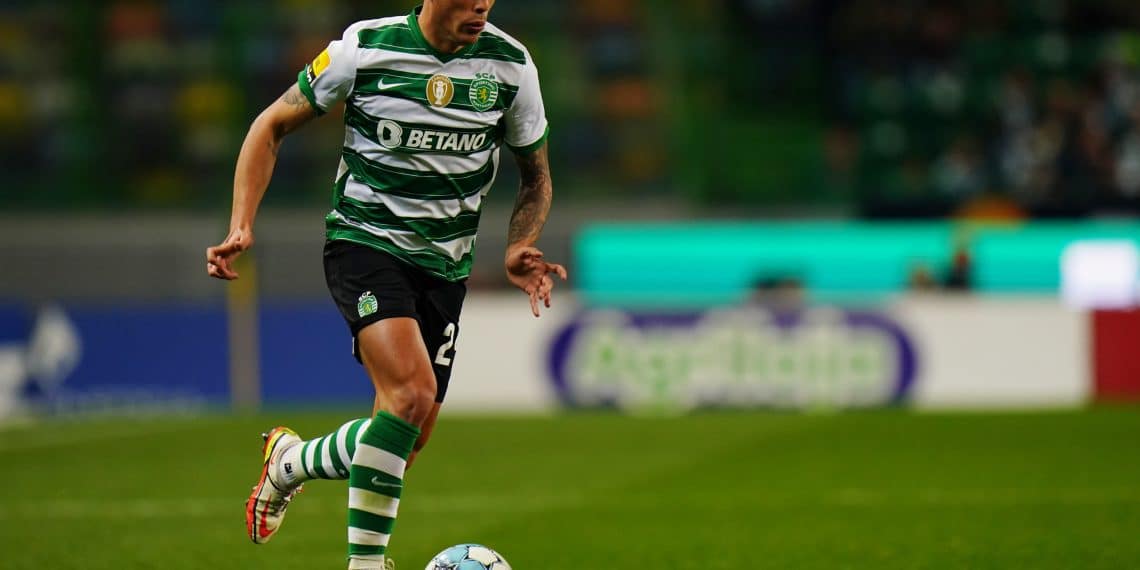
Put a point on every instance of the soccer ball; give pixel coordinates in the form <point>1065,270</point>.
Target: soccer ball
<point>468,557</point>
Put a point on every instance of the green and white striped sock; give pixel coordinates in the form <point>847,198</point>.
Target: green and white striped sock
<point>325,457</point>
<point>375,482</point>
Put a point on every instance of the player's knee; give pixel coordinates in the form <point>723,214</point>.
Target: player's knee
<point>413,408</point>
<point>414,399</point>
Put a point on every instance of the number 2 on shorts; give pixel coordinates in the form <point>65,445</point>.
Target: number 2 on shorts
<point>441,355</point>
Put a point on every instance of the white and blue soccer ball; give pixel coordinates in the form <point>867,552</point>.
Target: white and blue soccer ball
<point>468,557</point>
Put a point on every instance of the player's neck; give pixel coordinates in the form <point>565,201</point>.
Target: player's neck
<point>431,26</point>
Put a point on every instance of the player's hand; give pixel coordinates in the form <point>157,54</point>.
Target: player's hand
<point>219,259</point>
<point>528,271</point>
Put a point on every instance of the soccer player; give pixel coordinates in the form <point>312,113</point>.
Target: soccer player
<point>429,100</point>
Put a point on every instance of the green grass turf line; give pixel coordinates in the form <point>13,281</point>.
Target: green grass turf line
<point>712,491</point>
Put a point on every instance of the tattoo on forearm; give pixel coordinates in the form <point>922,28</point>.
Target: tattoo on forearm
<point>533,201</point>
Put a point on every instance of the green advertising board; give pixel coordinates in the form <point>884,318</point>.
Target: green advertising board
<point>705,263</point>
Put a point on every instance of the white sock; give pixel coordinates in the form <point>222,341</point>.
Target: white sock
<point>325,457</point>
<point>368,562</point>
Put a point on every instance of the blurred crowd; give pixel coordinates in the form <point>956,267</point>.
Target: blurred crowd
<point>143,103</point>
<point>917,108</point>
<point>1008,108</point>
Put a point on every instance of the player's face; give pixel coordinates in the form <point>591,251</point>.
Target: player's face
<point>464,19</point>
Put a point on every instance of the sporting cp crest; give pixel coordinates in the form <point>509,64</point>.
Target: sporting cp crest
<point>367,304</point>
<point>484,91</point>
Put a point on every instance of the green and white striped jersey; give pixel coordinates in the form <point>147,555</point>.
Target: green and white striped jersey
<point>422,135</point>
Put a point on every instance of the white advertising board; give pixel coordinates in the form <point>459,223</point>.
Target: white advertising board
<point>929,352</point>
<point>997,352</point>
<point>501,354</point>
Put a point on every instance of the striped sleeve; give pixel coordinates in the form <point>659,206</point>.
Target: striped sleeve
<point>526,118</point>
<point>330,77</point>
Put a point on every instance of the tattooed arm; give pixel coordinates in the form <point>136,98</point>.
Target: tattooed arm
<point>525,267</point>
<point>533,200</point>
<point>255,165</point>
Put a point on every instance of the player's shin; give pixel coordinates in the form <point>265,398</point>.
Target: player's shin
<point>376,481</point>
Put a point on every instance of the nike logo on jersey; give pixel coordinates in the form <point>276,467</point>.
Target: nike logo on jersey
<point>386,86</point>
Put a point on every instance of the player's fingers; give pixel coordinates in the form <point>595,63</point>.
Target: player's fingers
<point>213,270</point>
<point>231,246</point>
<point>534,303</point>
<point>545,290</point>
<point>222,249</point>
<point>557,268</point>
<point>224,269</point>
<point>219,260</point>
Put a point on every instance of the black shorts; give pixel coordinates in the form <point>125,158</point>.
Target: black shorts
<point>368,285</point>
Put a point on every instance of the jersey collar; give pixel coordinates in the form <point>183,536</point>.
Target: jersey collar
<point>418,34</point>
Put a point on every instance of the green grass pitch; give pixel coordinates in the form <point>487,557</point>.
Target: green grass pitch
<point>885,489</point>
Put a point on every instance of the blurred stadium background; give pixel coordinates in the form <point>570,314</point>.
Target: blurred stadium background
<point>791,226</point>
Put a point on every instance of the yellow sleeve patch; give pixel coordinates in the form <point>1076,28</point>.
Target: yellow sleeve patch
<point>321,63</point>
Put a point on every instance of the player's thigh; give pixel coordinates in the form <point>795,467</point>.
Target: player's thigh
<point>439,310</point>
<point>393,352</point>
<point>377,296</point>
